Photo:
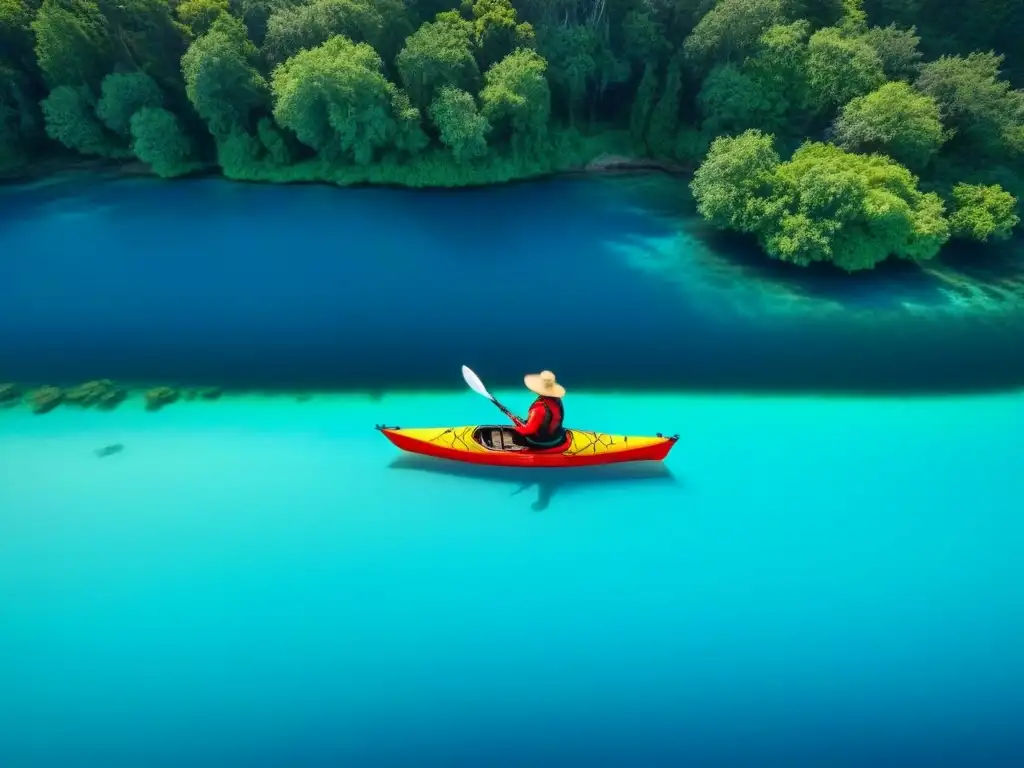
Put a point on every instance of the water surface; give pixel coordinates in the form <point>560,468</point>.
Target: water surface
<point>266,582</point>
<point>808,581</point>
<point>610,283</point>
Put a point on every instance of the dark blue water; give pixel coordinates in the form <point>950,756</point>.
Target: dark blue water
<point>610,283</point>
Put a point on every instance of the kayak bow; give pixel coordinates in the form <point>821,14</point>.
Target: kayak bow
<point>499,446</point>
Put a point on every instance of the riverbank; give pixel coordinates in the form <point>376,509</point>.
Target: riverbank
<point>607,153</point>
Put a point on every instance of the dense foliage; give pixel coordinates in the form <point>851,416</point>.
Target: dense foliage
<point>834,130</point>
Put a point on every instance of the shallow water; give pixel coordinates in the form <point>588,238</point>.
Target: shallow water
<point>260,581</point>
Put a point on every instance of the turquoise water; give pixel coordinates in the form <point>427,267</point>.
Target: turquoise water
<point>258,581</point>
<point>262,581</point>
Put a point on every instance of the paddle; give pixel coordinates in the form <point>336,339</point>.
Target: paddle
<point>478,386</point>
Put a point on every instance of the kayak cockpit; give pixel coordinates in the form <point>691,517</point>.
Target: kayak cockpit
<point>506,439</point>
<point>499,438</point>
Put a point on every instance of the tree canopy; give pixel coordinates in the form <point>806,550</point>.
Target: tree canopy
<point>847,131</point>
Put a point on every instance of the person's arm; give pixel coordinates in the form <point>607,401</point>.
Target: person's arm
<point>533,422</point>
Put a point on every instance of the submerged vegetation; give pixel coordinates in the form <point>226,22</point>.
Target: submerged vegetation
<point>158,397</point>
<point>102,394</point>
<point>835,130</point>
<point>9,394</point>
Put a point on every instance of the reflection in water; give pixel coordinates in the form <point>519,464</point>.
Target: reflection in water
<point>962,280</point>
<point>547,480</point>
<point>967,278</point>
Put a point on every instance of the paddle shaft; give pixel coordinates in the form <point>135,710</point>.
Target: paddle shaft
<point>506,411</point>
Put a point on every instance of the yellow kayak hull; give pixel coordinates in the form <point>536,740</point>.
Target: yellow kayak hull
<point>498,446</point>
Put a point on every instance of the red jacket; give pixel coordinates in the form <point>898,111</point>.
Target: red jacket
<point>534,425</point>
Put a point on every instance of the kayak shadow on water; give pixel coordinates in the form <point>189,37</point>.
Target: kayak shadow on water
<point>547,480</point>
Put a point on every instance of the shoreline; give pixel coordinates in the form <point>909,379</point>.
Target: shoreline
<point>52,173</point>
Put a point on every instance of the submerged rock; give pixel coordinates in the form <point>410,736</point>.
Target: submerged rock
<point>204,393</point>
<point>9,394</point>
<point>45,399</point>
<point>158,397</point>
<point>102,393</point>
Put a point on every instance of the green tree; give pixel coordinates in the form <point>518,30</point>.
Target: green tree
<point>643,104</point>
<point>572,56</point>
<point>731,29</point>
<point>897,49</point>
<point>221,80</point>
<point>159,141</point>
<point>496,30</point>
<point>533,85</point>
<point>437,55</point>
<point>853,210</point>
<point>145,35</point>
<point>981,212</point>
<point>69,112</point>
<point>240,154</point>
<point>733,187</point>
<point>293,25</point>
<point>780,61</point>
<point>959,28</point>
<point>692,147</point>
<point>731,101</point>
<point>16,38</point>
<point>983,109</point>
<point>291,29</point>
<point>399,21</point>
<point>769,91</point>
<point>122,95</point>
<point>337,101</point>
<point>462,128</point>
<point>824,204</point>
<point>516,94</point>
<point>895,120</point>
<point>664,125</point>
<point>823,13</point>
<point>612,69</point>
<point>409,137</point>
<point>274,140</point>
<point>199,15</point>
<point>840,68</point>
<point>73,45</point>
<point>645,37</point>
<point>19,124</point>
<point>853,19</point>
<point>255,14</point>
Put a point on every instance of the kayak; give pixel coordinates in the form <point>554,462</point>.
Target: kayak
<point>502,446</point>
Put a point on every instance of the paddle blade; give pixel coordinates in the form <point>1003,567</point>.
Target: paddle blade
<point>474,383</point>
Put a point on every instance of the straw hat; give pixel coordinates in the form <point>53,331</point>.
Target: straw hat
<point>544,384</point>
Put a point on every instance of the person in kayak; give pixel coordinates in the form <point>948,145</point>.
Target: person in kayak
<point>543,426</point>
